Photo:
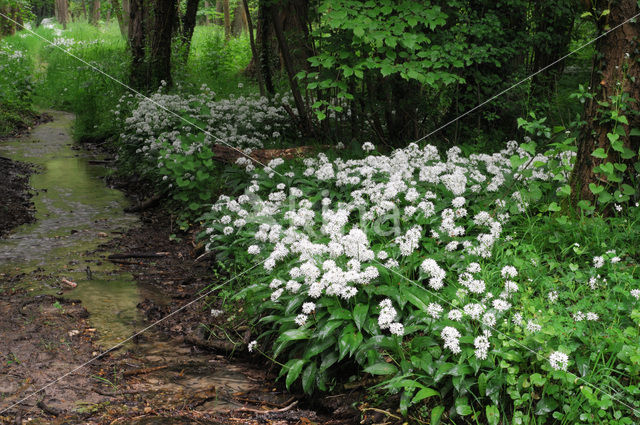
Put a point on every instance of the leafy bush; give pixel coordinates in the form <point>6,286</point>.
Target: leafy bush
<point>417,269</point>
<point>160,145</point>
<point>16,89</point>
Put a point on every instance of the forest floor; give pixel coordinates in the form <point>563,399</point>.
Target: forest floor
<point>172,373</point>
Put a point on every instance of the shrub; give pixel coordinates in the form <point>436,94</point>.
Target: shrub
<point>405,266</point>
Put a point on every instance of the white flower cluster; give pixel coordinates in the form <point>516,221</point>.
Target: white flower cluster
<point>242,122</point>
<point>324,228</point>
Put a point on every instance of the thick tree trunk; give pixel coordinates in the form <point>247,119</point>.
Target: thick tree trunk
<point>137,42</point>
<point>289,66</point>
<point>62,12</point>
<point>115,5</point>
<point>227,19</point>
<point>265,46</point>
<point>164,15</point>
<point>83,6</point>
<point>188,26</point>
<point>94,16</point>
<point>617,55</point>
<point>239,24</point>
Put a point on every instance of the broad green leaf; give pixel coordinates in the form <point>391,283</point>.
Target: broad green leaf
<point>381,369</point>
<point>436,415</point>
<point>294,335</point>
<point>599,153</point>
<point>295,367</point>
<point>309,377</point>
<point>360,314</point>
<point>595,189</point>
<point>424,393</point>
<point>493,415</point>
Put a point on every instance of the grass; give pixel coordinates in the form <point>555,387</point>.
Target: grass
<point>60,81</point>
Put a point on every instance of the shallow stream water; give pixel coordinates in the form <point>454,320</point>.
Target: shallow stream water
<point>75,213</point>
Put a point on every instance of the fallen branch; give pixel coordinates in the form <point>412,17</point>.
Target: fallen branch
<point>129,263</point>
<point>137,255</point>
<point>284,409</point>
<point>115,393</point>
<point>143,371</point>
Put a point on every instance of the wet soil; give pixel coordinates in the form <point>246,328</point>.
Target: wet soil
<point>16,207</point>
<point>70,312</point>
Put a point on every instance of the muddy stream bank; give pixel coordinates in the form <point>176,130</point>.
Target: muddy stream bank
<point>63,303</point>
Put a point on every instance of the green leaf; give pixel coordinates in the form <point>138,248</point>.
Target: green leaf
<point>517,161</point>
<point>493,415</point>
<point>295,367</point>
<point>599,153</point>
<point>381,368</point>
<point>595,189</point>
<point>309,377</point>
<point>634,132</point>
<point>358,31</point>
<point>294,335</point>
<point>436,415</point>
<point>329,327</point>
<point>482,384</point>
<point>546,405</point>
<point>360,314</point>
<point>628,190</point>
<point>424,393</point>
<point>553,207</point>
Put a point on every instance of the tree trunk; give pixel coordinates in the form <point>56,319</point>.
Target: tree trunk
<point>265,46</point>
<point>288,64</point>
<point>115,4</point>
<point>137,42</point>
<point>616,55</point>
<point>62,12</point>
<point>239,24</point>
<point>164,15</point>
<point>94,17</point>
<point>227,19</point>
<point>83,6</point>
<point>188,26</point>
<point>254,50</point>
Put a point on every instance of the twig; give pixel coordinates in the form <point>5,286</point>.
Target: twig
<point>284,409</point>
<point>137,255</point>
<point>143,371</point>
<point>129,263</point>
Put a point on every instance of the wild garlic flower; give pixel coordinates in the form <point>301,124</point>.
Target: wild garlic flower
<point>451,337</point>
<point>559,360</point>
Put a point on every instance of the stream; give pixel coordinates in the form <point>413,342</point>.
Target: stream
<point>75,213</point>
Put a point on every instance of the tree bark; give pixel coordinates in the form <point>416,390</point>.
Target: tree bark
<point>137,42</point>
<point>616,55</point>
<point>115,4</point>
<point>254,50</point>
<point>62,12</point>
<point>83,6</point>
<point>227,19</point>
<point>164,15</point>
<point>288,64</point>
<point>188,26</point>
<point>94,17</point>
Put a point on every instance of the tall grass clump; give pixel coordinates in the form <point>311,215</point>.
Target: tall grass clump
<point>72,85</point>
